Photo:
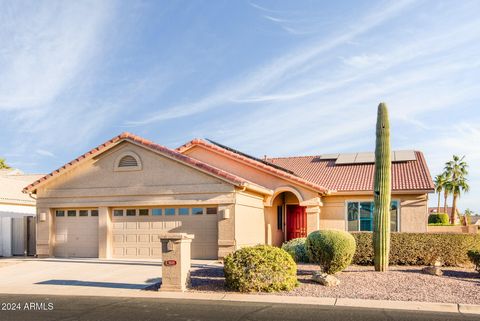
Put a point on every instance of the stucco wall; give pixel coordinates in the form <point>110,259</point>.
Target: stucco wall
<point>255,175</point>
<point>413,211</point>
<point>249,220</point>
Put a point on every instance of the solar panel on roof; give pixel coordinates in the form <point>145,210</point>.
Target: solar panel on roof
<point>404,155</point>
<point>329,156</point>
<point>348,158</point>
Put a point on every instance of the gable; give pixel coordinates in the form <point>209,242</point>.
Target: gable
<point>248,172</point>
<point>158,174</point>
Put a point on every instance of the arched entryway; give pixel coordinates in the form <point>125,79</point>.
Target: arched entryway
<point>285,219</point>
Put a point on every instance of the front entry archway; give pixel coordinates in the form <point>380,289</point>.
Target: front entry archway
<point>296,222</point>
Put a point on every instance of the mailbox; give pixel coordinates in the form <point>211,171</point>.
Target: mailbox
<point>176,261</point>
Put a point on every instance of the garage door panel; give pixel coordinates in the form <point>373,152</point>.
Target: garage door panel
<point>143,241</point>
<point>76,237</point>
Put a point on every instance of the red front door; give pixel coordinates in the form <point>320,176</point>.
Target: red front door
<point>296,222</point>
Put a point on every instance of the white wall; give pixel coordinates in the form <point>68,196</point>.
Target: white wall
<point>5,236</point>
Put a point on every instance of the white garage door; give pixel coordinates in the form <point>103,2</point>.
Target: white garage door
<point>76,233</point>
<point>136,231</point>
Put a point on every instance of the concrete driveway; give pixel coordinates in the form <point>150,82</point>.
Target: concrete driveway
<point>80,276</point>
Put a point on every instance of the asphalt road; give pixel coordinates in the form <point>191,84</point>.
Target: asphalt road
<point>59,308</point>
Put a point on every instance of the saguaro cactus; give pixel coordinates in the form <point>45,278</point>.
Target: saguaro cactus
<point>382,191</point>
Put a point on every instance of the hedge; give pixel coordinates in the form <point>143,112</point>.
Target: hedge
<point>474,257</point>
<point>439,219</point>
<point>419,248</point>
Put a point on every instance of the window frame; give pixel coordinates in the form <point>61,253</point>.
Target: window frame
<point>84,211</point>
<point>399,212</point>
<point>170,208</point>
<point>179,210</point>
<point>197,208</point>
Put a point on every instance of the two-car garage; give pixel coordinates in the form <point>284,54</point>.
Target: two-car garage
<point>135,231</point>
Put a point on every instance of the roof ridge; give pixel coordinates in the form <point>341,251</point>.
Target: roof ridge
<point>235,179</point>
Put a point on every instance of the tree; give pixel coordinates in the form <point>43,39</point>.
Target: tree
<point>456,170</point>
<point>3,164</point>
<point>440,184</point>
<point>382,191</point>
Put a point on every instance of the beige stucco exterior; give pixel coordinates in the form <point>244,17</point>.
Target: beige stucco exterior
<point>244,217</point>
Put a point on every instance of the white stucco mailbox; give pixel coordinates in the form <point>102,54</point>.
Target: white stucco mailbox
<point>176,254</point>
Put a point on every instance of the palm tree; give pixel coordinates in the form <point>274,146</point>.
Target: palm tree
<point>440,182</point>
<point>457,170</point>
<point>3,164</point>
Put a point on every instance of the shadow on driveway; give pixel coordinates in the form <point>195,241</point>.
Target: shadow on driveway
<point>97,284</point>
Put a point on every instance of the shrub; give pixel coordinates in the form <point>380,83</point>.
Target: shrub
<point>260,268</point>
<point>296,248</point>
<point>439,219</point>
<point>332,249</point>
<point>419,248</point>
<point>474,257</point>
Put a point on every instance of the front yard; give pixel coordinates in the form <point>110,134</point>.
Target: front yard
<point>402,283</point>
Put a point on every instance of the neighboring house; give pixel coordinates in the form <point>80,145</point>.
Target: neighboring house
<point>475,219</point>
<point>433,210</point>
<point>17,212</point>
<point>117,199</point>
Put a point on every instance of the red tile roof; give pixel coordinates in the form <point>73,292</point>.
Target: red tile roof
<point>298,179</point>
<point>408,175</point>
<point>234,179</point>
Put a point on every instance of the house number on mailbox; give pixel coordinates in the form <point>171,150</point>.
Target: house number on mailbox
<point>170,262</point>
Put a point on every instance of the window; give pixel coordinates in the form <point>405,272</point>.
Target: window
<point>131,212</point>
<point>94,213</point>
<point>117,212</point>
<point>128,161</point>
<point>280,217</point>
<point>169,211</point>
<point>156,211</point>
<point>83,213</point>
<point>360,216</point>
<point>183,211</point>
<point>143,212</point>
<point>197,211</point>
<point>212,210</point>
<point>59,213</point>
<point>71,213</point>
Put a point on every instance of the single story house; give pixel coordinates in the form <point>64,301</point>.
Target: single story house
<point>17,212</point>
<point>115,200</point>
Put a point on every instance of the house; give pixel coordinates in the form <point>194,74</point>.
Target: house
<point>115,200</point>
<point>17,212</point>
<point>433,210</point>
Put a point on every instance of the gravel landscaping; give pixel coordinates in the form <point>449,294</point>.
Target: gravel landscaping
<point>402,283</point>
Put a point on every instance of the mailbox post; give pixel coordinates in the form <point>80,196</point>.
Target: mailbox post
<point>176,256</point>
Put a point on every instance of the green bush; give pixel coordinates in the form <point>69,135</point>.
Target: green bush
<point>439,219</point>
<point>296,248</point>
<point>332,249</point>
<point>474,257</point>
<point>260,268</point>
<point>419,248</point>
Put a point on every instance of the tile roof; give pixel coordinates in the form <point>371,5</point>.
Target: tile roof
<point>406,175</point>
<point>234,179</point>
<point>260,165</point>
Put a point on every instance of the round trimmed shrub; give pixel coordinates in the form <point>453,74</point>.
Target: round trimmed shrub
<point>333,250</point>
<point>260,268</point>
<point>296,248</point>
<point>439,218</point>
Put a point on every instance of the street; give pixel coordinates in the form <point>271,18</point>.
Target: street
<point>39,308</point>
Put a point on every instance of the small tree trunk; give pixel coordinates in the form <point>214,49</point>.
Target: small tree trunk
<point>454,209</point>
<point>438,205</point>
<point>445,206</point>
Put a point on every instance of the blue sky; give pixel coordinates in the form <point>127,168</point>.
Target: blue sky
<point>267,77</point>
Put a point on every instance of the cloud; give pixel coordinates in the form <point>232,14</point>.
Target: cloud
<point>44,152</point>
<point>278,70</point>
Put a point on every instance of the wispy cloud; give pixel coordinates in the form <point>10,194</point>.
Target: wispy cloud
<point>44,152</point>
<point>278,70</point>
